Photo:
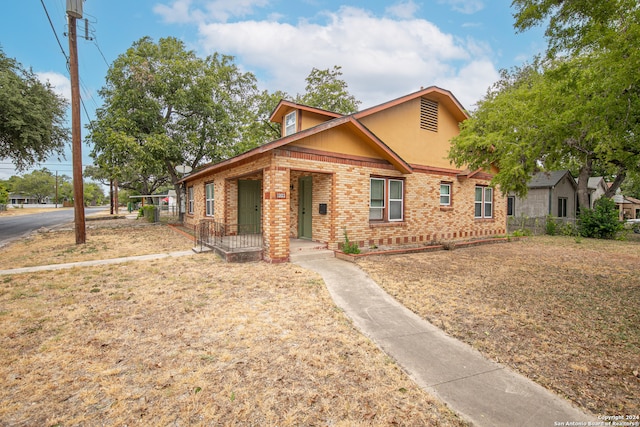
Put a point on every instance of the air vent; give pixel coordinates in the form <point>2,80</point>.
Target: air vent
<point>428,115</point>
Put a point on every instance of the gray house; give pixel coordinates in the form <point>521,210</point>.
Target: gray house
<point>550,193</point>
<point>596,186</point>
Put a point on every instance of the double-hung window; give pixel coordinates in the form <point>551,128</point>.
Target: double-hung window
<point>562,207</point>
<point>511,206</point>
<point>290,123</point>
<point>190,200</point>
<point>208,189</point>
<point>386,199</point>
<point>483,204</point>
<point>445,194</point>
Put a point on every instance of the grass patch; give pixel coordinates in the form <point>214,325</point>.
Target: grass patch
<point>196,342</point>
<point>564,314</point>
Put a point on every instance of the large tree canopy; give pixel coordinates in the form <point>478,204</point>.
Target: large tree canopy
<point>165,107</point>
<point>579,108</point>
<point>32,116</point>
<point>325,89</point>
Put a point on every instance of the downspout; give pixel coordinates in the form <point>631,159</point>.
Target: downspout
<point>550,198</point>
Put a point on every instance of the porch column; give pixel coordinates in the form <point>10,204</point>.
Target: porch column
<point>276,219</point>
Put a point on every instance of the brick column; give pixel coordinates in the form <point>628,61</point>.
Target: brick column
<point>276,219</point>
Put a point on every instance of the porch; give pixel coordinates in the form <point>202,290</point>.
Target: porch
<point>244,243</point>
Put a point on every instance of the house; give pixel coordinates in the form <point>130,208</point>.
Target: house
<point>21,199</point>
<point>597,187</point>
<point>380,176</point>
<point>550,193</point>
<point>629,207</point>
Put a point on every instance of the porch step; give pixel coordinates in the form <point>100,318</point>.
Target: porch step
<point>309,254</point>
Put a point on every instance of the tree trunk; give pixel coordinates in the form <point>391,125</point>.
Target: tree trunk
<point>583,184</point>
<point>620,176</point>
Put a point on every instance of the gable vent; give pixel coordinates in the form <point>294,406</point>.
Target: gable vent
<point>428,115</point>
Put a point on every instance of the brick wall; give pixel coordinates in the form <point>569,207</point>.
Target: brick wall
<point>343,184</point>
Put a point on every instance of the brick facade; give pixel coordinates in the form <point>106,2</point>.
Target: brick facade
<point>344,186</point>
<point>341,155</point>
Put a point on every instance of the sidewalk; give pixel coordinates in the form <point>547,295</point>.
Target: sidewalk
<point>481,391</point>
<point>95,262</point>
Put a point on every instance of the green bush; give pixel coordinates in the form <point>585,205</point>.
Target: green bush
<point>148,212</point>
<point>550,226</point>
<point>601,222</point>
<point>349,247</point>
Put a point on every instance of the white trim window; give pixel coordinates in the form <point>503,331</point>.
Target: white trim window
<point>445,194</point>
<point>483,203</point>
<point>190,200</point>
<point>511,206</point>
<point>209,199</point>
<point>290,123</point>
<point>386,199</point>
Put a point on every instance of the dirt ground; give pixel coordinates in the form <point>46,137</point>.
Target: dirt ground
<point>564,312</point>
<point>186,341</point>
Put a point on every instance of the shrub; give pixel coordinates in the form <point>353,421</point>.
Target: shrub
<point>601,222</point>
<point>349,247</point>
<point>551,226</point>
<point>148,212</point>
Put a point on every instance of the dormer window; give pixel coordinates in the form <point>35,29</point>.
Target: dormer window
<point>290,123</point>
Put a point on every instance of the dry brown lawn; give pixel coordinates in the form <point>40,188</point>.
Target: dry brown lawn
<point>564,313</point>
<point>188,341</point>
<point>113,238</point>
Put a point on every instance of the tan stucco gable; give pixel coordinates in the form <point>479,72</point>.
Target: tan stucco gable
<point>401,125</point>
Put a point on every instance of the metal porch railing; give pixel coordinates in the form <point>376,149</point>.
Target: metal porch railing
<point>229,237</point>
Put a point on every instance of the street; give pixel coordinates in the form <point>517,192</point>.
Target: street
<point>13,227</point>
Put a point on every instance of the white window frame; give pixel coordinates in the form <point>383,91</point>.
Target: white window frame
<point>483,205</point>
<point>382,210</point>
<point>373,210</point>
<point>190,200</point>
<point>209,193</point>
<point>445,197</point>
<point>290,128</point>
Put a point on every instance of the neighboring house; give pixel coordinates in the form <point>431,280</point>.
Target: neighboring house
<point>629,207</point>
<point>21,199</point>
<point>380,175</point>
<point>550,193</point>
<point>597,187</point>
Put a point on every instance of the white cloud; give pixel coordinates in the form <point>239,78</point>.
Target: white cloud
<point>184,11</point>
<point>60,83</point>
<point>381,58</point>
<point>403,10</point>
<point>464,6</point>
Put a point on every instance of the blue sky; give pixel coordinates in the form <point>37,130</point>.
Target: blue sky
<point>386,49</point>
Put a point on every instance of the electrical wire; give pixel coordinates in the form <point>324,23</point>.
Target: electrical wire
<point>54,30</point>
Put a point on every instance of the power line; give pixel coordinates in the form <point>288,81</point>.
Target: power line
<point>54,30</point>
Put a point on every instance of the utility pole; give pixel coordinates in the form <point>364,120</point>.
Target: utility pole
<point>74,11</point>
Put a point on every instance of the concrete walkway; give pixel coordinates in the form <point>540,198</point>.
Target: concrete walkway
<point>95,262</point>
<point>481,391</point>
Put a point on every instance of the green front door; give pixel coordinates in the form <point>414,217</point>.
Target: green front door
<point>249,206</point>
<point>305,207</point>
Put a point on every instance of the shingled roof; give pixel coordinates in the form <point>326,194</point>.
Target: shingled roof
<point>548,179</point>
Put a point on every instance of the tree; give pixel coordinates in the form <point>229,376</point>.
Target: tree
<point>32,116</point>
<point>165,107</point>
<point>606,34</point>
<point>4,195</point>
<point>39,184</point>
<point>93,194</point>
<point>325,89</point>
<point>580,111</point>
